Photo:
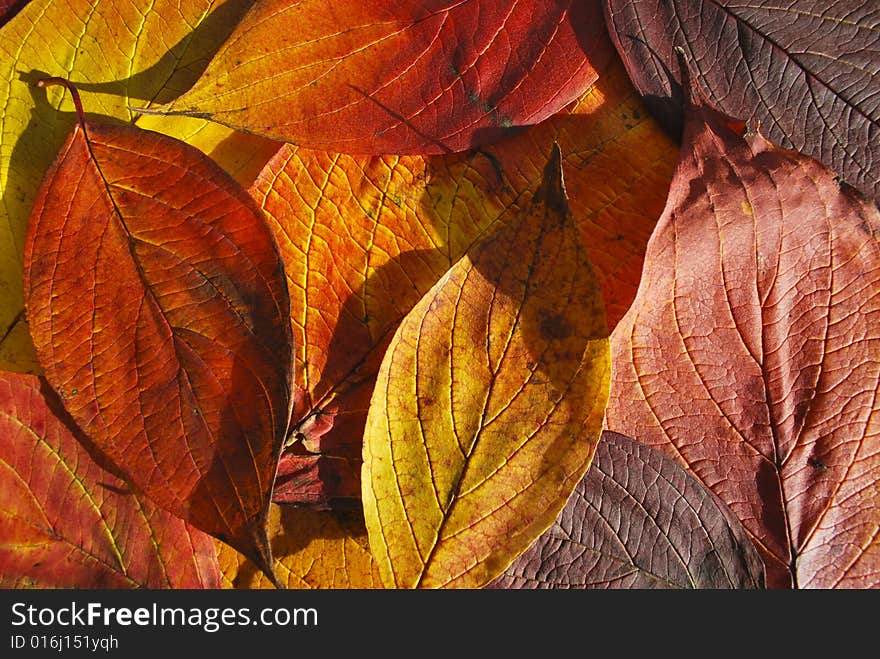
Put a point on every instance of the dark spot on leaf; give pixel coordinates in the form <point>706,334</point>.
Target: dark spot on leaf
<point>555,326</point>
<point>817,464</point>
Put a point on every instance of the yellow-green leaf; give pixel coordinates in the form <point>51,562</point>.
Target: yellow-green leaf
<point>118,53</point>
<point>488,404</point>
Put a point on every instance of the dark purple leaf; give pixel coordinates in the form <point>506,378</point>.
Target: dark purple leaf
<point>807,71</point>
<point>638,520</point>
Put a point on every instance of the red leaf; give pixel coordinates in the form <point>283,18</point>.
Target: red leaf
<point>159,310</point>
<point>406,76</point>
<point>65,522</point>
<point>751,351</point>
<point>637,520</point>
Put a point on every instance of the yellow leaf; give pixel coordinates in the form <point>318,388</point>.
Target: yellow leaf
<point>118,53</point>
<point>312,549</point>
<point>489,403</point>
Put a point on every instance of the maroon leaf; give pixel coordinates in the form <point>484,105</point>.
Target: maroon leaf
<point>65,521</point>
<point>750,353</point>
<point>638,520</point>
<point>808,71</point>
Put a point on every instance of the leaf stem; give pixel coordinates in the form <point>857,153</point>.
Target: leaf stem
<point>74,94</point>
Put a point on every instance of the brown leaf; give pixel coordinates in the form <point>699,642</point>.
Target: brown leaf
<point>66,522</point>
<point>159,310</point>
<point>638,520</point>
<point>751,351</point>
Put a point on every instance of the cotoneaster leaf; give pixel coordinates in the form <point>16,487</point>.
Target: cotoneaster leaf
<point>406,76</point>
<point>488,404</point>
<point>752,351</point>
<point>158,306</point>
<point>364,239</point>
<point>638,520</point>
<point>119,53</point>
<point>67,522</point>
<point>807,72</point>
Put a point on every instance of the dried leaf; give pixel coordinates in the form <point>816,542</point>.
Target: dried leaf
<point>807,71</point>
<point>120,53</point>
<point>406,76</point>
<point>638,520</point>
<point>159,309</point>
<point>364,239</point>
<point>752,351</point>
<point>66,522</point>
<point>312,550</point>
<point>488,404</point>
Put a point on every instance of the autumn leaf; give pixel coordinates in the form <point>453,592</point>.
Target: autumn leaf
<point>119,53</point>
<point>66,522</point>
<point>407,76</point>
<point>158,306</point>
<point>752,351</point>
<point>364,239</point>
<point>806,71</point>
<point>312,549</point>
<point>638,520</point>
<point>488,404</point>
<point>9,8</point>
<point>242,156</point>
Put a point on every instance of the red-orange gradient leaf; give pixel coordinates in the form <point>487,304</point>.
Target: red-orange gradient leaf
<point>405,76</point>
<point>752,351</point>
<point>158,305</point>
<point>66,522</point>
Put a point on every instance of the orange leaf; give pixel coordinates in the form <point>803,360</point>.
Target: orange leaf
<point>66,522</point>
<point>158,307</point>
<point>752,351</point>
<point>364,239</point>
<point>488,405</point>
<point>406,76</point>
<point>312,549</point>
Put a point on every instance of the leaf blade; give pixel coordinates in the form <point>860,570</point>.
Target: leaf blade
<point>468,454</point>
<point>638,520</point>
<point>69,523</point>
<point>761,259</point>
<point>179,364</point>
<point>805,71</point>
<point>403,77</point>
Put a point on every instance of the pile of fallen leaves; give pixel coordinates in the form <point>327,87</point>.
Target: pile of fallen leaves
<point>425,294</point>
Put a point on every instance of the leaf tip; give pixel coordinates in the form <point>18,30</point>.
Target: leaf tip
<point>552,190</point>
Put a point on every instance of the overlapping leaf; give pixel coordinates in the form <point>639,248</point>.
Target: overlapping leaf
<point>752,351</point>
<point>638,520</point>
<point>121,53</point>
<point>66,522</point>
<point>808,71</point>
<point>364,239</point>
<point>159,309</point>
<point>9,8</point>
<point>312,549</point>
<point>488,404</point>
<point>406,76</point>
